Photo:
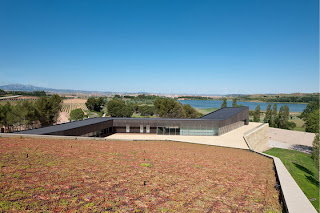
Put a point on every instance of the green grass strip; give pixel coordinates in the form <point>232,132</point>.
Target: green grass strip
<point>303,169</point>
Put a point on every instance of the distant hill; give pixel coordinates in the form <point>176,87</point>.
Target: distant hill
<point>30,88</point>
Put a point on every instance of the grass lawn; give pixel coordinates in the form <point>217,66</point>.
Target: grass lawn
<point>301,129</point>
<point>303,170</point>
<point>53,175</point>
<point>138,115</point>
<point>206,110</point>
<point>299,124</point>
<point>92,114</point>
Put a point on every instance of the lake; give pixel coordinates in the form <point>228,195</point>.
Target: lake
<point>252,105</point>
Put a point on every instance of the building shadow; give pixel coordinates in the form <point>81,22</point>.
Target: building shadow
<point>302,148</point>
<point>312,180</point>
<point>302,168</point>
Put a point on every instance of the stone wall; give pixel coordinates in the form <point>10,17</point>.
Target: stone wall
<point>257,138</point>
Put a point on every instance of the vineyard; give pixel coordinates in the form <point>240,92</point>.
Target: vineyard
<point>67,107</point>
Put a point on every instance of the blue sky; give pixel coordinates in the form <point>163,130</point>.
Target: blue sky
<point>196,47</point>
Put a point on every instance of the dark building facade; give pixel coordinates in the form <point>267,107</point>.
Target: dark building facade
<point>214,123</point>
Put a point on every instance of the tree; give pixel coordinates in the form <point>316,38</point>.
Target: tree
<point>4,113</point>
<point>14,115</point>
<point>28,112</point>
<point>234,102</point>
<point>312,122</point>
<point>55,103</point>
<point>118,108</point>
<point>76,114</point>
<point>224,103</point>
<point>256,115</point>
<point>190,112</point>
<point>47,109</point>
<point>268,117</point>
<point>274,115</point>
<point>95,104</point>
<point>315,150</point>
<point>168,108</point>
<point>286,112</point>
<point>135,107</point>
<point>146,110</point>
<point>310,116</point>
<point>90,103</point>
<point>2,92</point>
<point>281,118</point>
<point>309,108</point>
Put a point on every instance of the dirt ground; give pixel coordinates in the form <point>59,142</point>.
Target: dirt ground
<point>63,117</point>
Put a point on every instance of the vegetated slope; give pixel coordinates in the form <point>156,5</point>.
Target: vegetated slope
<point>303,169</point>
<point>60,175</point>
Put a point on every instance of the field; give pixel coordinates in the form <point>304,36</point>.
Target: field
<point>65,175</point>
<point>70,104</point>
<point>303,170</point>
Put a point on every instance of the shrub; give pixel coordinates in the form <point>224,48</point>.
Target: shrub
<point>315,149</point>
<point>76,114</point>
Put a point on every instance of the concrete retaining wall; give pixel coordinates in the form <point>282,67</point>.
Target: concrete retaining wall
<point>257,138</point>
<point>294,199</point>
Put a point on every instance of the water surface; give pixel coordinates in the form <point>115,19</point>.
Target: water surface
<point>252,105</point>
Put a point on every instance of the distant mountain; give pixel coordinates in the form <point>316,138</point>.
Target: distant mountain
<point>21,87</point>
<point>30,88</point>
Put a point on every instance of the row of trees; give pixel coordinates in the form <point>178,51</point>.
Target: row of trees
<point>306,98</point>
<point>44,111</point>
<point>163,107</point>
<point>275,119</point>
<point>26,93</point>
<point>234,103</point>
<point>310,116</point>
<point>280,119</point>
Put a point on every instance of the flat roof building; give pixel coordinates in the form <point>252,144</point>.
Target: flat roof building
<point>214,123</point>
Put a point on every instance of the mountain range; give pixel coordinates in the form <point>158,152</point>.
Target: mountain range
<point>30,88</point>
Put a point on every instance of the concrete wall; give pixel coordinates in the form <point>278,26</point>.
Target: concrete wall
<point>257,138</point>
<point>295,201</point>
<point>230,127</point>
